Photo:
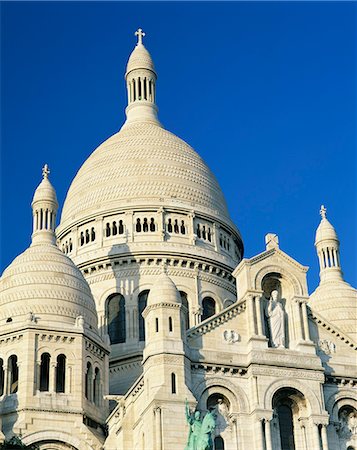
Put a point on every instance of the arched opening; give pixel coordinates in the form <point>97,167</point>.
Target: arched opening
<point>145,225</point>
<point>88,381</point>
<point>156,325</point>
<point>116,319</point>
<point>176,227</point>
<point>13,374</point>
<point>96,387</point>
<point>182,228</point>
<point>107,230</point>
<point>347,417</point>
<point>92,234</point>
<point>45,372</point>
<point>114,229</point>
<point>220,404</point>
<point>184,302</point>
<point>152,224</point>
<point>171,327</point>
<point>218,443</point>
<point>173,383</point>
<point>142,301</point>
<point>2,377</point>
<point>61,373</point>
<point>289,406</point>
<point>208,307</point>
<point>169,226</point>
<point>121,227</point>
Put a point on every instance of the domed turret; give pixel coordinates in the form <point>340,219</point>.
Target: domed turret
<point>334,299</point>
<point>42,281</point>
<point>163,291</point>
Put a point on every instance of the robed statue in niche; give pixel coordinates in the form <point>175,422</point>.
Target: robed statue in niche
<point>276,319</point>
<point>201,431</point>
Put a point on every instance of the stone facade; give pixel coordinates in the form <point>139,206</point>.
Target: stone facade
<point>148,260</point>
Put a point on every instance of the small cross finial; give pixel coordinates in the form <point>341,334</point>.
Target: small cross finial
<point>323,211</point>
<point>140,34</point>
<point>45,171</point>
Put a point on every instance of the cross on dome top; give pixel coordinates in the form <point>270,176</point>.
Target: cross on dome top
<point>45,171</point>
<point>140,34</point>
<point>323,211</point>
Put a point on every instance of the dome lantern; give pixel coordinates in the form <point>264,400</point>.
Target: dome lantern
<point>140,79</point>
<point>44,210</point>
<point>328,249</point>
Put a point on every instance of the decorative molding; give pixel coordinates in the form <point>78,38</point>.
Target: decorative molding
<point>287,373</point>
<point>56,338</point>
<point>94,349</point>
<point>11,339</point>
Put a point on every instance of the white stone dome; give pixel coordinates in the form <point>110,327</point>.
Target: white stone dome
<point>163,291</point>
<point>45,282</point>
<point>140,59</point>
<point>325,231</point>
<point>336,301</point>
<point>143,164</point>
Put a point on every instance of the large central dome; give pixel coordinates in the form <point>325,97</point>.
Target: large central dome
<point>143,164</point>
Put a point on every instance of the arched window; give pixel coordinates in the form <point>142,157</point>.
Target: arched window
<point>61,373</point>
<point>209,307</point>
<point>115,229</point>
<point>169,226</point>
<point>152,224</point>
<point>145,225</point>
<point>218,443</point>
<point>171,326</point>
<point>184,302</point>
<point>176,227</point>
<point>45,371</point>
<point>88,382</point>
<point>2,377</point>
<point>138,226</point>
<point>96,387</point>
<point>13,374</point>
<point>121,227</point>
<point>116,319</point>
<point>173,383</point>
<point>142,300</point>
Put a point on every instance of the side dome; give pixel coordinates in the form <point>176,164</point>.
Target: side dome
<point>143,164</point>
<point>43,284</point>
<point>163,291</point>
<point>337,303</point>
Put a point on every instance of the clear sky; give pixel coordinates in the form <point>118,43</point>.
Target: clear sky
<point>265,93</point>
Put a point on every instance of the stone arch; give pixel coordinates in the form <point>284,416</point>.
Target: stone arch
<point>234,394</point>
<point>212,294</point>
<point>286,276</point>
<point>345,397</point>
<point>311,398</point>
<point>56,436</point>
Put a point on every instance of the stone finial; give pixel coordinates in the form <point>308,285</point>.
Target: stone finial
<point>140,34</point>
<point>45,171</point>
<point>323,211</point>
<point>271,241</point>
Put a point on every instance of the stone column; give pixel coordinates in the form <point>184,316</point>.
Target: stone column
<point>250,316</point>
<point>161,222</point>
<point>305,321</point>
<point>38,375</point>
<point>68,380</point>
<point>52,377</point>
<point>158,428</point>
<point>316,436</point>
<point>260,444</point>
<point>268,441</point>
<point>300,334</point>
<point>191,228</point>
<point>258,313</point>
<point>6,380</point>
<point>324,437</point>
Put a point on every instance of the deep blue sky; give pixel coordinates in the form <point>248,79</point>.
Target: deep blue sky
<point>265,92</point>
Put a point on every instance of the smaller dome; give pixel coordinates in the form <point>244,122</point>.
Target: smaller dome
<point>46,283</point>
<point>140,58</point>
<point>336,301</point>
<point>45,193</point>
<point>163,291</point>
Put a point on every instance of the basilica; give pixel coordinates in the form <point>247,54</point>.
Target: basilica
<point>137,322</point>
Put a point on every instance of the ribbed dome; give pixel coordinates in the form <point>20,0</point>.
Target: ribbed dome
<point>44,281</point>
<point>140,59</point>
<point>143,164</point>
<point>336,301</point>
<point>163,291</point>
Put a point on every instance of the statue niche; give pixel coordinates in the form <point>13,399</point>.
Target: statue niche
<point>275,314</point>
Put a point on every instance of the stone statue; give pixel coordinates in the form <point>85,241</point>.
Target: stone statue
<point>201,431</point>
<point>276,317</point>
